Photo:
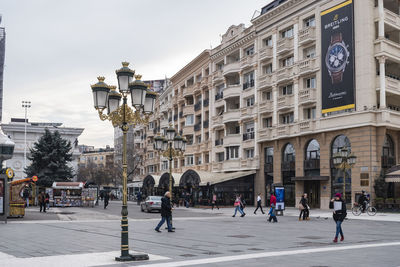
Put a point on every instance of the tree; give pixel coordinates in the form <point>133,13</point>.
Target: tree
<point>98,174</point>
<point>49,157</point>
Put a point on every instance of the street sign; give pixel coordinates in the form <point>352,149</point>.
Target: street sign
<point>34,178</point>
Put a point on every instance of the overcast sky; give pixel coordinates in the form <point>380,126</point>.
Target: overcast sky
<point>56,49</point>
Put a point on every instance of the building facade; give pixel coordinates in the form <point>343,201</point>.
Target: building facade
<point>15,130</point>
<point>277,100</point>
<point>2,56</point>
<point>103,157</point>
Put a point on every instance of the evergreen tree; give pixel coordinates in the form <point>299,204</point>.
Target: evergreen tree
<point>49,157</point>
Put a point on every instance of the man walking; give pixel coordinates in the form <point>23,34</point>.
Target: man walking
<point>106,198</point>
<point>259,204</point>
<point>166,213</point>
<point>42,201</point>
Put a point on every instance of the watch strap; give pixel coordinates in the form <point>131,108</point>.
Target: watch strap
<point>337,77</point>
<point>336,38</point>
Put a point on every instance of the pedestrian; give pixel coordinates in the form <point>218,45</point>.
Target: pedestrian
<point>106,199</point>
<point>304,208</point>
<point>272,199</point>
<point>25,195</point>
<point>272,215</point>
<point>214,201</point>
<point>237,205</point>
<point>139,198</point>
<point>187,198</point>
<point>42,201</point>
<point>47,200</point>
<point>339,214</point>
<point>259,204</point>
<point>166,213</point>
<point>242,203</point>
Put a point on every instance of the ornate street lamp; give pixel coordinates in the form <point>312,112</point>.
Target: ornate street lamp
<point>344,160</point>
<point>107,98</point>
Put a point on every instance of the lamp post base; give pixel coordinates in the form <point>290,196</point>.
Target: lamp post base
<point>133,257</point>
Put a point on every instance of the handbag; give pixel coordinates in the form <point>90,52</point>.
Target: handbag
<point>301,207</point>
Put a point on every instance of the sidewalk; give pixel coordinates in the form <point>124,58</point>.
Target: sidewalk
<point>314,213</point>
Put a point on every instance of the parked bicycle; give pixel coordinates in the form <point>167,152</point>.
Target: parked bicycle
<point>358,209</point>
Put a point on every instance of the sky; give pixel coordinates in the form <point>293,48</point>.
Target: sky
<point>56,49</point>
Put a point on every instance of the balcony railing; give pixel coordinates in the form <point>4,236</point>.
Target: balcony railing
<point>197,106</point>
<point>219,142</point>
<point>311,164</point>
<point>288,166</point>
<point>206,102</point>
<point>307,35</point>
<point>205,124</point>
<point>219,96</point>
<point>285,45</point>
<point>266,52</point>
<point>248,84</point>
<point>197,127</point>
<point>248,136</point>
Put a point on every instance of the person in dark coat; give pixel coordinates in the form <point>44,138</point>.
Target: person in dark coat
<point>106,199</point>
<point>166,212</point>
<point>339,214</point>
<point>42,201</point>
<point>304,209</point>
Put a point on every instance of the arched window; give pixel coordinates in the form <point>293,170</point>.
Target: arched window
<point>288,168</point>
<point>289,153</point>
<point>337,175</point>
<point>311,162</point>
<point>312,151</point>
<point>388,154</point>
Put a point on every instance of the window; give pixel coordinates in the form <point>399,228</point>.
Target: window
<point>189,139</point>
<point>310,82</point>
<point>232,152</point>
<point>164,165</point>
<point>268,41</point>
<point>309,22</point>
<point>250,101</point>
<point>249,51</point>
<point>151,125</point>
<point>267,69</point>
<point>289,61</point>
<point>151,155</point>
<point>189,160</point>
<point>249,127</point>
<point>266,95</point>
<point>267,122</point>
<point>309,113</point>
<point>189,120</point>
<point>287,118</point>
<point>309,52</point>
<point>198,139</point>
<point>287,89</point>
<point>287,33</point>
<point>248,80</point>
<point>249,153</point>
<point>151,168</point>
<point>220,156</point>
<point>198,160</point>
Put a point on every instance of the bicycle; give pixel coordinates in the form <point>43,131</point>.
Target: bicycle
<point>357,209</point>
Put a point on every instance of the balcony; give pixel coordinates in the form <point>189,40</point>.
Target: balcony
<point>307,65</point>
<point>164,124</point>
<point>385,47</point>
<point>265,80</point>
<point>217,120</point>
<point>197,127</point>
<point>266,106</point>
<point>251,163</point>
<point>232,90</point>
<point>311,164</point>
<point>307,35</point>
<point>188,130</point>
<point>288,166</point>
<point>285,102</point>
<point>149,147</point>
<point>187,110</point>
<point>308,95</point>
<point>205,124</point>
<point>204,82</point>
<point>219,96</point>
<point>266,53</point>
<point>217,75</point>
<point>232,139</point>
<point>248,84</point>
<point>392,85</point>
<point>265,133</point>
<point>285,73</point>
<point>231,164</point>
<point>248,61</point>
<point>197,88</point>
<point>197,106</point>
<point>231,115</point>
<point>205,167</point>
<point>248,111</point>
<point>219,142</point>
<point>231,68</point>
<point>188,90</point>
<point>287,129</point>
<point>217,166</point>
<point>284,45</point>
<point>307,125</point>
<point>390,17</point>
<point>248,136</point>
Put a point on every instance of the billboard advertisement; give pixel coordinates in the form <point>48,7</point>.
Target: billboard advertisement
<point>337,58</point>
<point>157,85</point>
<point>280,198</point>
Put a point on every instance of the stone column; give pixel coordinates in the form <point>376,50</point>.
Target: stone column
<point>382,80</point>
<point>296,40</point>
<point>274,54</point>
<point>381,22</point>
<point>296,98</point>
<point>275,105</point>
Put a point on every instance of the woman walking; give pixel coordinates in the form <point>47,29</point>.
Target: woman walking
<point>237,205</point>
<point>214,201</point>
<point>339,213</point>
<point>303,206</point>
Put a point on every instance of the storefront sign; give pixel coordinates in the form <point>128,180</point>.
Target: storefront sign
<point>280,198</point>
<point>337,50</point>
<point>2,195</point>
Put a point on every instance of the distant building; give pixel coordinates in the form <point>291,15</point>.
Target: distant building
<point>103,157</point>
<point>34,130</point>
<point>2,54</point>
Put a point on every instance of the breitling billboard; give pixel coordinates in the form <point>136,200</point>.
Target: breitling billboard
<point>337,50</point>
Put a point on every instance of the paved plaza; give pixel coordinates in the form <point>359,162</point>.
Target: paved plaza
<point>91,237</point>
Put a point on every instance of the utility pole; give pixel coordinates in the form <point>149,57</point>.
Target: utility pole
<point>25,105</point>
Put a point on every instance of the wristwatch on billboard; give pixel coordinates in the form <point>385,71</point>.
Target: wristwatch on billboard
<point>337,58</point>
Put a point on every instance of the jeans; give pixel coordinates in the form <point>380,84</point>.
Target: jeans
<point>163,219</point>
<point>338,229</point>
<point>259,206</point>
<point>42,206</point>
<point>27,202</point>
<point>272,217</point>
<point>238,208</point>
<point>305,213</point>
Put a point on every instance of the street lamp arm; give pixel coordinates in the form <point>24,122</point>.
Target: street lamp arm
<point>124,115</point>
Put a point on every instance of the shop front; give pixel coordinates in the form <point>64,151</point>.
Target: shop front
<point>67,194</point>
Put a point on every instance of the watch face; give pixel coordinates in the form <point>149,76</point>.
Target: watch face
<point>336,58</point>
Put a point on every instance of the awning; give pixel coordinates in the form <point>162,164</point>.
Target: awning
<point>393,177</point>
<point>311,178</point>
<point>219,177</point>
<point>67,185</point>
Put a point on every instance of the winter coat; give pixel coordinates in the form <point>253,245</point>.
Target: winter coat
<point>339,215</point>
<point>166,209</point>
<point>273,200</point>
<point>41,198</point>
<point>304,202</point>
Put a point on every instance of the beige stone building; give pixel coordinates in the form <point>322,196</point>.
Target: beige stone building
<point>99,157</point>
<point>257,105</point>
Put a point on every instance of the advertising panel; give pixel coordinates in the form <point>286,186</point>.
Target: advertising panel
<point>337,56</point>
<point>280,198</point>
